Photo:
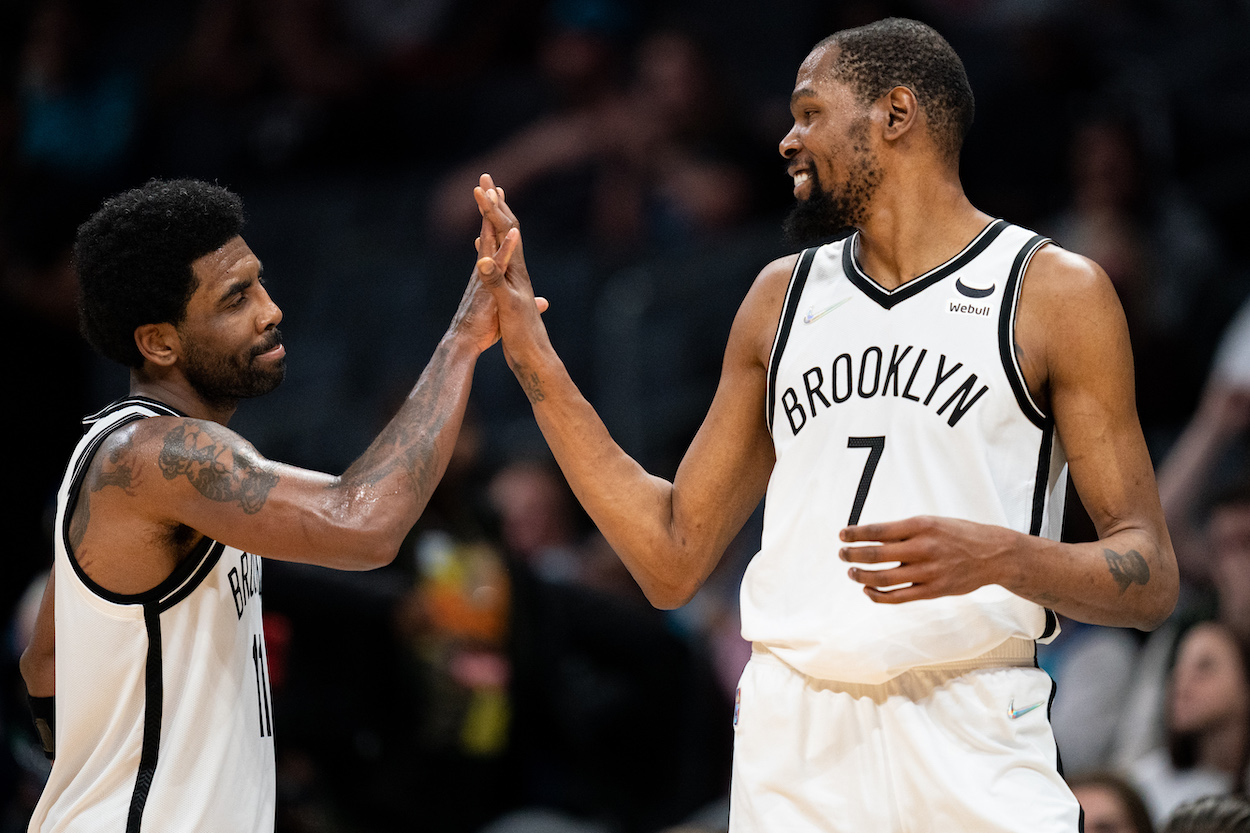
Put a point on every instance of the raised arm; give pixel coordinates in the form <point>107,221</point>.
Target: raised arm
<point>1073,344</point>
<point>183,474</point>
<point>669,535</point>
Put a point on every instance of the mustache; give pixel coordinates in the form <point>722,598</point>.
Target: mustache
<point>268,344</point>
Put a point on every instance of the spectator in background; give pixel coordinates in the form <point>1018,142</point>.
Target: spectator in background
<point>1157,250</point>
<point>1211,814</point>
<point>78,114</point>
<point>1111,804</point>
<point>1207,723</point>
<point>659,157</point>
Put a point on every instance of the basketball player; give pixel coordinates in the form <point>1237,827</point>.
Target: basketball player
<point>911,398</point>
<point>162,718</point>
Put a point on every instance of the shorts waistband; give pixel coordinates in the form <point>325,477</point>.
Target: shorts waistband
<point>1013,653</point>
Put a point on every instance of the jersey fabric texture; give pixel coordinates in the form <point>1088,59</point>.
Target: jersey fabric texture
<point>929,751</point>
<point>887,404</point>
<point>163,713</point>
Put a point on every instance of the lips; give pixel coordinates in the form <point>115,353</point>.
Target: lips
<point>270,345</point>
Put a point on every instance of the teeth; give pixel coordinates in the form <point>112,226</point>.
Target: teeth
<point>800,178</point>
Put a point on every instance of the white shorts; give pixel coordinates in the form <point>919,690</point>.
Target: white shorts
<point>940,751</point>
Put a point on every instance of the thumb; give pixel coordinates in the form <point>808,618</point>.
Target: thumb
<point>488,271</point>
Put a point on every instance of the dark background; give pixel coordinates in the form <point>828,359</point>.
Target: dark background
<point>1120,128</point>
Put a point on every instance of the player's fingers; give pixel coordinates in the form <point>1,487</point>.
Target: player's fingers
<point>887,530</point>
<point>541,303</point>
<point>510,243</point>
<point>899,595</point>
<point>863,554</point>
<point>904,574</point>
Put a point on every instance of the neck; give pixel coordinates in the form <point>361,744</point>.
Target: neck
<point>919,219</point>
<point>176,393</point>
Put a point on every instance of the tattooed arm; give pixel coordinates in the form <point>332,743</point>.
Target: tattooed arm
<point>168,478</point>
<point>1072,342</point>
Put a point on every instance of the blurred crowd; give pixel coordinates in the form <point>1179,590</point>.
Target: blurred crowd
<point>505,674</point>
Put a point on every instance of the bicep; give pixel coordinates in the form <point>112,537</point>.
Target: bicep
<point>217,483</point>
<point>1090,384</point>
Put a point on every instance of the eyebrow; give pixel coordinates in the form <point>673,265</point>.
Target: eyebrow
<point>802,92</point>
<point>241,285</point>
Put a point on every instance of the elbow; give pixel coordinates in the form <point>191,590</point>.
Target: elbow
<point>377,550</point>
<point>670,594</point>
<point>1161,607</point>
<point>38,671</point>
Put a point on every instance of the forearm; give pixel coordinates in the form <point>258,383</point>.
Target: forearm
<point>1126,579</point>
<point>633,509</point>
<point>388,486</point>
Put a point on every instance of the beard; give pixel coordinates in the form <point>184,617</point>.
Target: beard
<point>223,380</point>
<point>825,214</point>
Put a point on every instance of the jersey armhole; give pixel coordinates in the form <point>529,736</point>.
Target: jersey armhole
<point>798,278</point>
<point>1007,332</point>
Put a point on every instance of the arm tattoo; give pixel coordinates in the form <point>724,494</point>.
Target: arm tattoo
<point>408,443</point>
<point>121,468</point>
<point>1127,568</point>
<point>532,384</point>
<point>206,457</point>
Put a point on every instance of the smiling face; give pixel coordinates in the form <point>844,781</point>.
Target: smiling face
<point>829,152</point>
<point>231,346</point>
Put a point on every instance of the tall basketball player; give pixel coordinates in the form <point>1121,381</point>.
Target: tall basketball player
<point>912,399</point>
<point>162,717</point>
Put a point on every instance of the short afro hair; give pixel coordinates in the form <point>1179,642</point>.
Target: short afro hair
<point>897,52</point>
<point>134,256</point>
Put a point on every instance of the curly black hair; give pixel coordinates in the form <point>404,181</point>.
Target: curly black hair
<point>897,52</point>
<point>134,256</point>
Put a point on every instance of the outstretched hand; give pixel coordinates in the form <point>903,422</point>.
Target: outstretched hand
<point>501,267</point>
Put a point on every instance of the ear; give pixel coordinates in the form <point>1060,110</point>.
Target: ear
<point>159,343</point>
<point>901,112</point>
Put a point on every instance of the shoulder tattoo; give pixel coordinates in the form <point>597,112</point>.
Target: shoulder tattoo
<point>1127,568</point>
<point>218,468</point>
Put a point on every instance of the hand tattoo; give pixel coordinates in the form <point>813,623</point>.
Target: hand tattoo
<point>1127,568</point>
<point>205,457</point>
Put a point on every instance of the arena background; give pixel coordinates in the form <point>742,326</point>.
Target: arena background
<point>637,142</point>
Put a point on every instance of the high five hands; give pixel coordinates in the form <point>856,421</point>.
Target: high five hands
<point>501,268</point>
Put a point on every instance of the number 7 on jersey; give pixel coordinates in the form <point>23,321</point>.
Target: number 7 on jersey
<point>876,447</point>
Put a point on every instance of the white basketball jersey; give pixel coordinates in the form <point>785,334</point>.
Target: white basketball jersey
<point>883,405</point>
<point>163,713</point>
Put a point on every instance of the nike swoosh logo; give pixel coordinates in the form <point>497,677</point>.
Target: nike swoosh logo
<point>964,289</point>
<point>1016,714</point>
<point>812,316</point>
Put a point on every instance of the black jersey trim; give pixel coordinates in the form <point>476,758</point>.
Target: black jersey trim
<point>1043,478</point>
<point>1052,624</point>
<point>1007,331</point>
<point>790,308</point>
<point>888,298</point>
<point>154,695</point>
<point>191,578</point>
<point>185,577</point>
<point>113,407</point>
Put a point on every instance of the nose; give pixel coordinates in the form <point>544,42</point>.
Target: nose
<point>790,143</point>
<point>270,313</point>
